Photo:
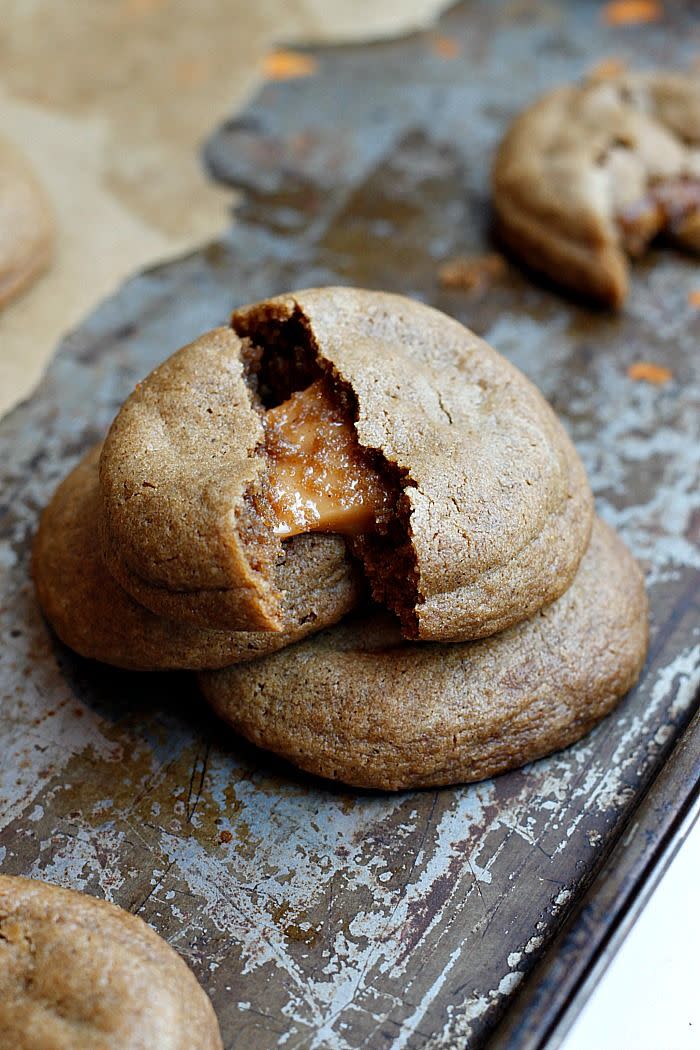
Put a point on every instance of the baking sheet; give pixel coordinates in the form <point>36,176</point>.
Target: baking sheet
<point>313,915</point>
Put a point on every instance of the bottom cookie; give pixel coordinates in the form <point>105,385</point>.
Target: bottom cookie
<point>78,973</point>
<point>357,704</point>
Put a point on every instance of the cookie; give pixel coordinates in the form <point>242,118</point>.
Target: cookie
<point>358,704</point>
<point>26,225</point>
<point>590,173</point>
<point>356,413</point>
<point>93,615</point>
<point>77,973</point>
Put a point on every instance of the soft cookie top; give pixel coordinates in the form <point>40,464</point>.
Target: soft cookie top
<point>351,412</point>
<point>592,172</point>
<point>78,973</point>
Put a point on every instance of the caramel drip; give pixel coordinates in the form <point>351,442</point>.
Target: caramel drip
<point>666,206</point>
<point>319,479</point>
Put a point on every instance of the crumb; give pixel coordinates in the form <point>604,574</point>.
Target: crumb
<point>632,12</point>
<point>649,372</point>
<point>288,65</point>
<point>445,47</point>
<point>466,272</point>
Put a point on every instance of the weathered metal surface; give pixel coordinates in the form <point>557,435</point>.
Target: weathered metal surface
<point>317,916</point>
<point>542,1013</point>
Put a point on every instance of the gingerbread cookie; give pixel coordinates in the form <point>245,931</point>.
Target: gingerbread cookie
<point>26,226</point>
<point>78,973</point>
<point>92,614</point>
<point>347,412</point>
<point>590,173</point>
<point>358,704</point>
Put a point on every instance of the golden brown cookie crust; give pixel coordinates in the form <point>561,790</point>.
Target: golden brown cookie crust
<point>26,225</point>
<point>177,461</point>
<point>78,973</point>
<point>570,162</point>
<point>500,509</point>
<point>93,615</point>
<point>357,704</point>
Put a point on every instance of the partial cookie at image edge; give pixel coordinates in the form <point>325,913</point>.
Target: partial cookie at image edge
<point>78,973</point>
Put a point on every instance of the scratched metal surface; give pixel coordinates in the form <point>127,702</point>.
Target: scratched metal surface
<point>317,916</point>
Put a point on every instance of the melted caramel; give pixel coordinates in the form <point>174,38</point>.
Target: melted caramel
<point>319,478</point>
<point>666,206</point>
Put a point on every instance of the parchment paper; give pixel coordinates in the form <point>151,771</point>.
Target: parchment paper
<point>111,100</point>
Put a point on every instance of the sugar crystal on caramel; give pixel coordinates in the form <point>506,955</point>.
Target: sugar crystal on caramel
<point>319,478</point>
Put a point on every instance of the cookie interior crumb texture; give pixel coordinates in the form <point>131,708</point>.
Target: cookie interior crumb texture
<point>317,475</point>
<point>78,973</point>
<point>592,173</point>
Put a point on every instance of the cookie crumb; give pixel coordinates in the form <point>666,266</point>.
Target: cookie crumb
<point>445,46</point>
<point>649,372</point>
<point>288,65</point>
<point>225,836</point>
<point>466,272</point>
<point>632,12</point>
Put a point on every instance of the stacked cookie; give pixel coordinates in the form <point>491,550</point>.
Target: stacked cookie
<point>347,455</point>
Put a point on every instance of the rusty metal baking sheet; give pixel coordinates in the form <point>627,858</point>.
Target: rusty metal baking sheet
<point>313,915</point>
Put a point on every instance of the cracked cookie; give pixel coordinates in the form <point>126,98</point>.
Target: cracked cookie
<point>591,173</point>
<point>340,412</point>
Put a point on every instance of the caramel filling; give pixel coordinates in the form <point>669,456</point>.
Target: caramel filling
<point>666,206</point>
<point>319,479</point>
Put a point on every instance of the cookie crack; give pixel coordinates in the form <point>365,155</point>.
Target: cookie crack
<point>284,362</point>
